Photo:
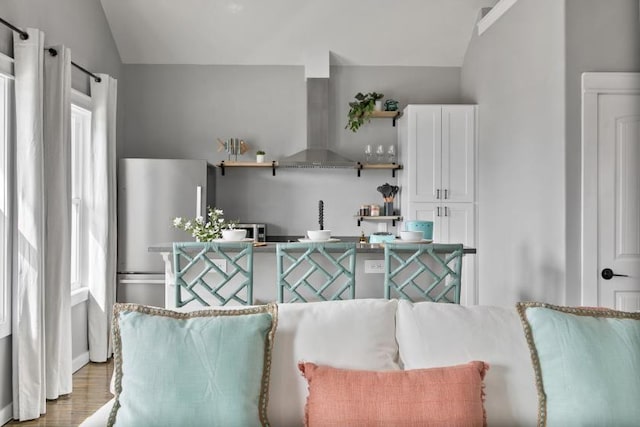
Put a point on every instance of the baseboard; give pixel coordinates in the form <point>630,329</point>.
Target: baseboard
<point>6,414</point>
<point>80,361</point>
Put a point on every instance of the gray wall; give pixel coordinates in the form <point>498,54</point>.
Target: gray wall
<point>600,36</point>
<point>81,26</point>
<point>515,72</point>
<point>179,111</point>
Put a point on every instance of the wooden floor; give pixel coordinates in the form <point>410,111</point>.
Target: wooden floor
<point>90,392</point>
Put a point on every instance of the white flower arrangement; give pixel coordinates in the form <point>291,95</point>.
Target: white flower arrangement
<point>205,230</point>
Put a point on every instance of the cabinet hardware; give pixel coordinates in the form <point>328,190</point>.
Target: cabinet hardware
<point>446,211</point>
<point>438,214</point>
<point>446,193</point>
<point>438,193</point>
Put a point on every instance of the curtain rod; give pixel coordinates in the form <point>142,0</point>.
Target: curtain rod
<point>54,52</point>
<point>24,36</point>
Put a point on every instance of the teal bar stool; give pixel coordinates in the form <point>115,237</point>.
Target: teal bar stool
<point>423,272</point>
<point>316,271</point>
<point>197,277</point>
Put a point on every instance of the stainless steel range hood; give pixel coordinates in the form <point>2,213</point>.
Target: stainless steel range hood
<point>317,153</point>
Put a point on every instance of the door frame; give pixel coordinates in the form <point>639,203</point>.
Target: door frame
<point>593,86</point>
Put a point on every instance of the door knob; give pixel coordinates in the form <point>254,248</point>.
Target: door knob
<point>608,274</point>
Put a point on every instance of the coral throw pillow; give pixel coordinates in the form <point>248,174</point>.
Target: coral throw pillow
<point>448,396</point>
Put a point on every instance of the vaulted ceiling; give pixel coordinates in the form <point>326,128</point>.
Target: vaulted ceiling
<point>286,32</point>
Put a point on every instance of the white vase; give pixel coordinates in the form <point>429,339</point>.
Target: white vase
<point>378,105</point>
<point>260,158</point>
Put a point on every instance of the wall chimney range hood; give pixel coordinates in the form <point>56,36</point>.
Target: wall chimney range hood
<point>317,154</point>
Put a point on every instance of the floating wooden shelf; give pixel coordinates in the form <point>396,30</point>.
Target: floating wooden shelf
<point>273,165</point>
<point>392,218</point>
<point>386,115</point>
<point>393,167</point>
<point>229,164</point>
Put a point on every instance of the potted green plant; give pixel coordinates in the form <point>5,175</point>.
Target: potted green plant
<point>361,109</point>
<point>260,156</point>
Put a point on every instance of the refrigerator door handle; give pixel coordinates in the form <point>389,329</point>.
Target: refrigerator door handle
<point>199,201</point>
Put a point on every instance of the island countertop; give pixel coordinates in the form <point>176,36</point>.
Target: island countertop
<point>271,246</point>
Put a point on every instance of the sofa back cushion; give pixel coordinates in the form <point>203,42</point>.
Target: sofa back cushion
<point>434,334</point>
<point>353,334</point>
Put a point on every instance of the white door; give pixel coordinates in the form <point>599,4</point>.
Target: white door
<point>612,134</point>
<point>458,145</point>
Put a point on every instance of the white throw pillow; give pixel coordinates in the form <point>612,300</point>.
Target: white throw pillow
<point>353,334</point>
<point>436,334</point>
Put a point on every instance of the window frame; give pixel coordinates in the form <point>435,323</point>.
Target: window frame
<point>80,104</point>
<point>8,143</point>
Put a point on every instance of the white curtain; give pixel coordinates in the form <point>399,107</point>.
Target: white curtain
<point>57,189</point>
<point>41,337</point>
<point>100,195</point>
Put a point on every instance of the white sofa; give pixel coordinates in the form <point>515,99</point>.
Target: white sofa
<point>386,335</point>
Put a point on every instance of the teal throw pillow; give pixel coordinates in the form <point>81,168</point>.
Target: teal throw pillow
<point>587,364</point>
<point>208,367</point>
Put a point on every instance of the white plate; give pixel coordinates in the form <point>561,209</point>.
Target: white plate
<point>246,239</point>
<point>413,241</point>
<point>303,240</point>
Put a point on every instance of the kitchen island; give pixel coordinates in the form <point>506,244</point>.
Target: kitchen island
<point>369,271</point>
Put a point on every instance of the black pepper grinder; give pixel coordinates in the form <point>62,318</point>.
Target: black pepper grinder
<point>321,214</point>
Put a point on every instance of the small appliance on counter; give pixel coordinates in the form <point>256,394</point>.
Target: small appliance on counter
<point>381,237</point>
<point>257,232</point>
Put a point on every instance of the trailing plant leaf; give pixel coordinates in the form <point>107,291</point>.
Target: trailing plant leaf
<point>361,109</point>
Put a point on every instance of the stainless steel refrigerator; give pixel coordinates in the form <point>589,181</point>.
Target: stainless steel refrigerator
<point>151,192</point>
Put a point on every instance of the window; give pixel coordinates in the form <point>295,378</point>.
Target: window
<point>80,137</point>
<point>6,103</point>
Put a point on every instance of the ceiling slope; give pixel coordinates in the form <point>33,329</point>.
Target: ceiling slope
<point>282,32</point>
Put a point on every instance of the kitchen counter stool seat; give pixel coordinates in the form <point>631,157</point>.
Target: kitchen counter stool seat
<point>316,271</point>
<point>198,278</point>
<point>423,272</point>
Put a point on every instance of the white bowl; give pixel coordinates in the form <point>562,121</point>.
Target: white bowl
<point>234,235</point>
<point>411,236</point>
<point>318,235</point>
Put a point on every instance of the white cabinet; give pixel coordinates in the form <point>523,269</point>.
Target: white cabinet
<point>436,145</point>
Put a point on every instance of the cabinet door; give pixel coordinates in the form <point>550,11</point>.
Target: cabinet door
<point>458,146</point>
<point>458,226</point>
<point>424,137</point>
<point>458,223</point>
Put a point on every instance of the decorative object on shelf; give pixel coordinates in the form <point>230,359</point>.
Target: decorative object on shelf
<point>390,105</point>
<point>260,156</point>
<point>380,153</point>
<point>368,153</point>
<point>233,147</point>
<point>391,154</point>
<point>388,194</point>
<point>205,229</point>
<point>361,109</point>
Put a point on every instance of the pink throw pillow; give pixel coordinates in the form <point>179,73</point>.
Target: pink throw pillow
<point>448,396</point>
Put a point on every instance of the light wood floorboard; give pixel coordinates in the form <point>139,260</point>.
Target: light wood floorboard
<point>90,392</point>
